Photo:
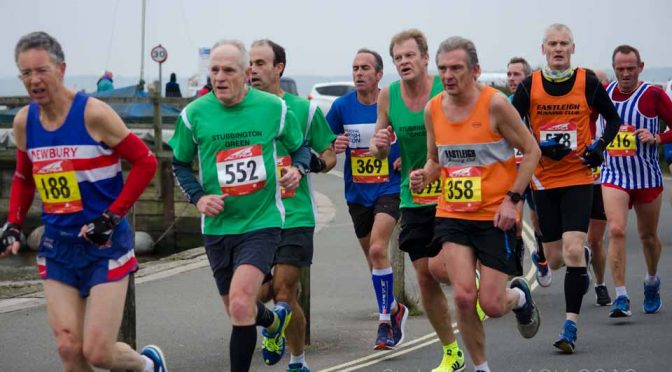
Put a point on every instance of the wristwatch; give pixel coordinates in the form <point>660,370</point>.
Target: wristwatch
<point>515,197</point>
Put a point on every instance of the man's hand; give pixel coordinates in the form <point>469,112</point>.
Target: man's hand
<point>99,230</point>
<point>553,149</point>
<point>397,164</point>
<point>211,205</point>
<point>593,157</point>
<point>10,240</point>
<point>341,143</point>
<point>382,138</point>
<point>290,178</point>
<point>645,136</point>
<point>505,218</point>
<point>417,179</point>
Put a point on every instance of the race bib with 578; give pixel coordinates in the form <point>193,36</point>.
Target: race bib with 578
<point>241,171</point>
<point>566,132</point>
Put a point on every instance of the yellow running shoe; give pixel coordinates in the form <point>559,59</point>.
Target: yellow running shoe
<point>452,362</point>
<point>479,310</point>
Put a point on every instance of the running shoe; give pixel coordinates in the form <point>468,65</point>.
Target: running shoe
<point>602,295</point>
<point>652,301</point>
<point>385,338</point>
<point>620,308</point>
<point>274,343</point>
<point>567,339</point>
<point>544,275</point>
<point>528,316</point>
<point>297,367</point>
<point>398,323</point>
<point>451,362</point>
<point>479,309</point>
<point>156,355</point>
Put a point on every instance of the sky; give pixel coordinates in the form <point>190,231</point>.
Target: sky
<point>321,37</point>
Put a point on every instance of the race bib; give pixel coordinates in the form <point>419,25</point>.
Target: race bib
<point>461,189</point>
<point>567,132</point>
<point>624,144</point>
<point>282,163</point>
<point>429,195</point>
<point>56,182</point>
<point>367,169</point>
<point>241,171</point>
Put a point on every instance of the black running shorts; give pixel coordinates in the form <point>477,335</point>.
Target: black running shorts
<point>227,252</point>
<point>563,209</point>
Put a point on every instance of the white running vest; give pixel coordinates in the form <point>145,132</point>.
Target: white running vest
<point>642,170</point>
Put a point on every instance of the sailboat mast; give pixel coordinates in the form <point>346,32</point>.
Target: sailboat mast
<point>142,44</point>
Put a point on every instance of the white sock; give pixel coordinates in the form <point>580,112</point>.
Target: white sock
<point>482,367</point>
<point>599,285</point>
<point>650,280</point>
<point>149,364</point>
<point>298,359</point>
<point>621,291</point>
<point>521,299</point>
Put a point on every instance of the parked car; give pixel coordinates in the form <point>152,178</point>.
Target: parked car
<point>326,93</point>
<point>289,85</point>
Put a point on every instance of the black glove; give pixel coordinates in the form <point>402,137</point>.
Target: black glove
<point>317,165</point>
<point>553,149</point>
<point>11,234</point>
<point>100,229</point>
<point>593,157</point>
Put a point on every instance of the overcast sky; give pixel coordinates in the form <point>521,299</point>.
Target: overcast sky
<point>321,37</point>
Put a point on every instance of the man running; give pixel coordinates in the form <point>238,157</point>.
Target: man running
<point>516,71</point>
<point>371,189</point>
<point>631,175</point>
<point>557,101</point>
<point>234,131</point>
<point>69,149</point>
<point>267,64</point>
<point>471,132</point>
<point>400,111</point>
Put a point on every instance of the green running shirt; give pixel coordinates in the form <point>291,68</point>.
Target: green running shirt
<point>409,127</point>
<point>301,209</point>
<point>236,149</point>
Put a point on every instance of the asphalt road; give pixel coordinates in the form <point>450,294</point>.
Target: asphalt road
<point>183,314</point>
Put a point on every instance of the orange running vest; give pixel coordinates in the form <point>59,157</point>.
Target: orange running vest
<point>569,117</point>
<point>478,165</point>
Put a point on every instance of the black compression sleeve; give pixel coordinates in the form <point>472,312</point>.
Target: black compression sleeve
<point>187,181</point>
<point>521,100</point>
<point>301,156</point>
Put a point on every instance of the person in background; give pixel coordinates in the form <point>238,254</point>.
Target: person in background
<point>207,88</point>
<point>173,87</point>
<point>105,82</point>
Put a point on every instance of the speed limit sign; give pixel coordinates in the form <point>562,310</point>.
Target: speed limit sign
<point>159,54</point>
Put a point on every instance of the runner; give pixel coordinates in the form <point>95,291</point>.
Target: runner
<point>400,111</point>
<point>470,133</point>
<point>516,71</point>
<point>598,219</point>
<point>557,101</point>
<point>234,131</point>
<point>69,149</point>
<point>631,175</point>
<point>267,64</point>
<point>371,189</point>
